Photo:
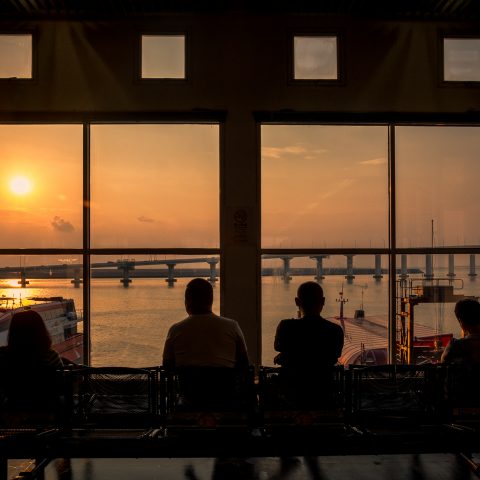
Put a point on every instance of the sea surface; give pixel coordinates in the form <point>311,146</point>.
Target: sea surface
<point>129,325</point>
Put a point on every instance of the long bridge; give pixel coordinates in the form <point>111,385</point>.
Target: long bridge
<point>127,266</point>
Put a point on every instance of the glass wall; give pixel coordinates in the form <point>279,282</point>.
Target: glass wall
<point>135,301</point>
<point>42,179</point>
<point>325,201</point>
<point>324,186</point>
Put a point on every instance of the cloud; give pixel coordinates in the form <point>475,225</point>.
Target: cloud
<point>277,152</point>
<point>374,161</point>
<point>61,225</point>
<point>144,219</point>
<point>342,185</point>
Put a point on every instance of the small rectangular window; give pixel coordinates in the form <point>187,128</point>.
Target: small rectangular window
<point>461,59</point>
<point>163,56</point>
<point>315,58</point>
<point>16,56</point>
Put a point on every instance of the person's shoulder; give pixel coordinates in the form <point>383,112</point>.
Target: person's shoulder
<point>178,325</point>
<point>332,325</point>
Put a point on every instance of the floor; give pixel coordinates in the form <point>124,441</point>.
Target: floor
<point>367,467</point>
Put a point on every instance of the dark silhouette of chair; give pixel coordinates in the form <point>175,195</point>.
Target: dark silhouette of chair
<point>305,398</point>
<point>113,397</point>
<point>199,398</point>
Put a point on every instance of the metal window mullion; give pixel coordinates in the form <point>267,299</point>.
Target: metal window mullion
<point>86,243</point>
<point>392,340</point>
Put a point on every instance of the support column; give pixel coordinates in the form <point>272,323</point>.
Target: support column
<point>77,280</point>
<point>286,269</point>
<point>171,274</point>
<point>472,272</point>
<point>126,266</point>
<point>23,282</point>
<point>213,271</point>
<point>403,267</point>
<point>349,275</point>
<point>319,258</point>
<point>378,267</point>
<point>451,265</point>
<point>428,266</point>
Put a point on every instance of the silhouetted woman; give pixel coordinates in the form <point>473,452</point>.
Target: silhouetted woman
<point>29,366</point>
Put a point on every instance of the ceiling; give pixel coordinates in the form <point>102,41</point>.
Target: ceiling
<point>453,10</point>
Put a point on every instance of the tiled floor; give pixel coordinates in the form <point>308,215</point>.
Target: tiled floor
<point>367,467</point>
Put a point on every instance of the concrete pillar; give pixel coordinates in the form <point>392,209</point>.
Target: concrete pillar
<point>171,274</point>
<point>77,280</point>
<point>349,275</point>
<point>125,266</point>
<point>428,266</point>
<point>286,269</point>
<point>23,282</point>
<point>472,272</point>
<point>378,267</point>
<point>403,267</point>
<point>451,265</point>
<point>213,271</point>
<point>319,259</point>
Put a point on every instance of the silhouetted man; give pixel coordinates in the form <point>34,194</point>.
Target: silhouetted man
<point>204,339</point>
<point>309,347</point>
<point>309,341</point>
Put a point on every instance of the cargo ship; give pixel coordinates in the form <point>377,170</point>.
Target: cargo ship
<point>60,317</point>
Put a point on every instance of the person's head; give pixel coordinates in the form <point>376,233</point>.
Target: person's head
<point>310,299</point>
<point>467,312</point>
<point>198,296</point>
<point>27,333</point>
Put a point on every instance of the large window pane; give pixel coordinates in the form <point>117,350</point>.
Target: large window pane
<point>324,186</point>
<point>52,286</point>
<point>134,304</point>
<point>438,200</point>
<point>155,185</point>
<point>363,279</point>
<point>41,180</point>
<point>430,285</point>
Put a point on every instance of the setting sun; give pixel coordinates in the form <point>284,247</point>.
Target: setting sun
<point>20,185</point>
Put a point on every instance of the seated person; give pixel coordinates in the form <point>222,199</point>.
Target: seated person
<point>30,380</point>
<point>309,346</point>
<point>206,340</point>
<point>463,386</point>
<point>466,350</point>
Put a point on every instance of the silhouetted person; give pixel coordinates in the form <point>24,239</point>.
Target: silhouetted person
<point>466,350</point>
<point>207,351</point>
<point>29,367</point>
<point>204,339</point>
<point>309,341</point>
<point>309,347</point>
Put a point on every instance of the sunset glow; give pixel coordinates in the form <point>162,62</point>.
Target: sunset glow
<point>20,185</point>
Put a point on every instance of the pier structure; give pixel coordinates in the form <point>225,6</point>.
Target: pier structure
<point>378,267</point>
<point>286,268</point>
<point>472,272</point>
<point>319,276</point>
<point>428,266</point>
<point>171,274</point>
<point>403,267</point>
<point>451,266</point>
<point>349,276</point>
<point>23,282</point>
<point>212,262</point>
<point>77,278</point>
<point>126,266</point>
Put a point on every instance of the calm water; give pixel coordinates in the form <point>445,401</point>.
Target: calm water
<point>129,325</point>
